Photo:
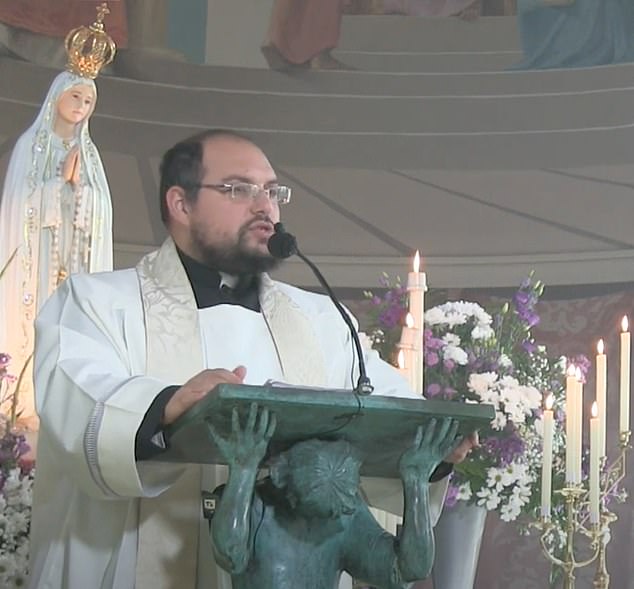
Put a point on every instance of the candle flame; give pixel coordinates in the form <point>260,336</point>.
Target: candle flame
<point>600,347</point>
<point>571,370</point>
<point>578,373</point>
<point>550,401</point>
<point>417,262</point>
<point>401,359</point>
<point>624,323</point>
<point>595,410</point>
<point>409,320</point>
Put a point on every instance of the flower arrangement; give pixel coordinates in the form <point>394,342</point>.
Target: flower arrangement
<point>478,356</point>
<point>16,483</point>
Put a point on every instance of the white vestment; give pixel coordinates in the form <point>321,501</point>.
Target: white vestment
<point>49,225</point>
<point>107,344</point>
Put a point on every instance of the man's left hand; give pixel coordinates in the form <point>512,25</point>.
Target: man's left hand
<point>462,450</point>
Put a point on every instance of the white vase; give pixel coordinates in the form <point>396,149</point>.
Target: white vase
<point>458,535</point>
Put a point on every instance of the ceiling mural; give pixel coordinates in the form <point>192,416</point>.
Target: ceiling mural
<point>465,129</point>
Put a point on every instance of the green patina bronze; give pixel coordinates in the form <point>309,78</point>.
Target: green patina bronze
<point>307,522</point>
<point>379,428</point>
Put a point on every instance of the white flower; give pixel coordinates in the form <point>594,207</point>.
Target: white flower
<point>504,361</point>
<point>483,332</point>
<point>499,421</point>
<point>434,316</point>
<point>488,498</point>
<point>15,516</point>
<point>456,354</point>
<point>510,511</point>
<point>480,383</point>
<point>451,339</point>
<point>495,478</point>
<point>464,492</point>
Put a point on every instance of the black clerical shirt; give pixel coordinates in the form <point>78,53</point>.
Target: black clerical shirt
<point>210,288</point>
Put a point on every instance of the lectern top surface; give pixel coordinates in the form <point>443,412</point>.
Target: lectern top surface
<point>380,428</point>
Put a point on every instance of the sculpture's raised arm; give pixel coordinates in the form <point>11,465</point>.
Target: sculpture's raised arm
<point>393,563</point>
<point>415,550</point>
<point>243,451</point>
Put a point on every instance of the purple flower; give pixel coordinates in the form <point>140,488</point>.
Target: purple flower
<point>431,359</point>
<point>529,317</point>
<point>449,365</point>
<point>391,317</point>
<point>582,363</point>
<point>507,448</point>
<point>433,390</point>
<point>451,498</point>
<point>529,346</point>
<point>522,299</point>
<point>431,342</point>
<point>449,393</point>
<point>5,359</point>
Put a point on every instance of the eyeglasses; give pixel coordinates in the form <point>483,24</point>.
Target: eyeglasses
<point>245,191</point>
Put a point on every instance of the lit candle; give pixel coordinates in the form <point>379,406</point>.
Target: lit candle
<point>571,388</point>
<point>625,377</point>
<point>578,426</point>
<point>547,457</point>
<point>416,286</point>
<point>602,385</point>
<point>595,459</point>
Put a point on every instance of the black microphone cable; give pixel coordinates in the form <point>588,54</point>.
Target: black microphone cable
<point>283,245</point>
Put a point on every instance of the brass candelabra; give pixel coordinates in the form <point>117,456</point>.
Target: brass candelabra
<point>575,524</point>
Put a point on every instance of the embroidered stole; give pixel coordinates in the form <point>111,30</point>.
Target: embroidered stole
<point>171,533</point>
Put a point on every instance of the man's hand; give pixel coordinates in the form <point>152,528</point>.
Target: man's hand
<point>246,447</point>
<point>197,387</point>
<point>462,450</point>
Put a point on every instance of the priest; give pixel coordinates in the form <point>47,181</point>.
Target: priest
<point>121,355</point>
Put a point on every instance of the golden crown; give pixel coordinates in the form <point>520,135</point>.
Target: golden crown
<point>90,48</point>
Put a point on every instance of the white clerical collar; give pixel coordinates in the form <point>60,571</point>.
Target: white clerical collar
<point>228,280</point>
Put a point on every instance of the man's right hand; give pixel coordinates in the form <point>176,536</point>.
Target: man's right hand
<point>197,388</point>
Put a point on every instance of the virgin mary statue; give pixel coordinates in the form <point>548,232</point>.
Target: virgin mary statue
<point>55,213</point>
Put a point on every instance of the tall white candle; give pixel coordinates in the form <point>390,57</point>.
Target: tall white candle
<point>578,426</point>
<point>571,387</point>
<point>417,286</point>
<point>410,339</point>
<point>624,416</point>
<point>547,457</point>
<point>601,392</point>
<point>595,460</point>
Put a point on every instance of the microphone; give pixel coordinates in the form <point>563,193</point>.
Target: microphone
<point>283,245</point>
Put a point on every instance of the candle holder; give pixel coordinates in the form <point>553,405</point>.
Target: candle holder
<point>575,524</point>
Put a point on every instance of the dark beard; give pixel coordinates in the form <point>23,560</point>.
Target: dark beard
<point>235,259</point>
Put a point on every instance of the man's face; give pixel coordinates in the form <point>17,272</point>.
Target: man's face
<point>229,234</point>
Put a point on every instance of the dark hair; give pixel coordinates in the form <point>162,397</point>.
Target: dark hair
<point>181,165</point>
